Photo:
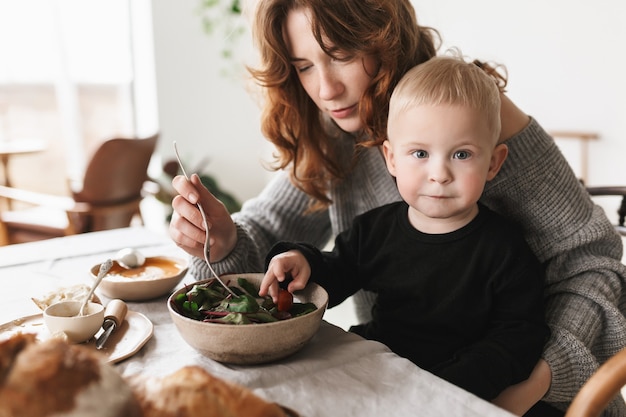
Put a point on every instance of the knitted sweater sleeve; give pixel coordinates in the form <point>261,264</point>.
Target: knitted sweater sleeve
<point>581,251</point>
<point>278,213</point>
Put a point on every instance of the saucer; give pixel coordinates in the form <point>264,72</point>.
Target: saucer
<point>123,343</point>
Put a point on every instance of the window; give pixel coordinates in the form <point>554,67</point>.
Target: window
<point>69,76</point>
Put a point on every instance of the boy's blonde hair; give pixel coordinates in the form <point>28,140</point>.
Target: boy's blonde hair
<point>448,80</point>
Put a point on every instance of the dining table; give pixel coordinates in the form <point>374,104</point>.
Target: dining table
<point>336,373</point>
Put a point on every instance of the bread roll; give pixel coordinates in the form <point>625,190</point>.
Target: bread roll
<point>56,378</point>
<point>191,392</point>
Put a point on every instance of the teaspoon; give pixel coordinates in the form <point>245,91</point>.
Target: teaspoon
<point>104,269</point>
<point>206,228</point>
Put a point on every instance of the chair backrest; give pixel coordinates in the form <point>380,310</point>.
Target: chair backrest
<point>615,191</point>
<point>117,171</point>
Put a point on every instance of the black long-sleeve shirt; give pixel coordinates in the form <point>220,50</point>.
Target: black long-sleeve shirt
<point>465,305</point>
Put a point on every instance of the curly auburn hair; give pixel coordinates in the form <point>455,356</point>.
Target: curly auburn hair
<point>384,29</point>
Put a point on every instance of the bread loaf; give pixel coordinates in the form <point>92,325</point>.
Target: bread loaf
<point>53,377</point>
<point>191,392</point>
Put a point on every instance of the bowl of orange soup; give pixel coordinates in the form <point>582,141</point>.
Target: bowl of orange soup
<point>157,277</point>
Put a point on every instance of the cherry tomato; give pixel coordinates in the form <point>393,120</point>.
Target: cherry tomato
<point>285,300</point>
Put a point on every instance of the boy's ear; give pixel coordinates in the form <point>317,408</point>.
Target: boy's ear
<point>389,158</point>
<point>497,159</point>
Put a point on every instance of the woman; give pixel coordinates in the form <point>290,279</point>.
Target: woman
<point>328,68</point>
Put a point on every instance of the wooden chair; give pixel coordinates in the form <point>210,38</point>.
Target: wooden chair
<point>108,198</point>
<point>621,211</point>
<point>600,389</point>
<point>584,138</point>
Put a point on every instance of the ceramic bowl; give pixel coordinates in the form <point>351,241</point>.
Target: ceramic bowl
<point>156,277</point>
<point>62,317</point>
<point>248,344</point>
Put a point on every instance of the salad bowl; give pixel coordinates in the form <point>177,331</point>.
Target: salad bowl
<point>256,343</point>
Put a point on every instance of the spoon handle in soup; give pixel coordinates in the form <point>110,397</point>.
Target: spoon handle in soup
<point>104,269</point>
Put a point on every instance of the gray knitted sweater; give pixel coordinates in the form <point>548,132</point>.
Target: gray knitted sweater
<point>572,237</point>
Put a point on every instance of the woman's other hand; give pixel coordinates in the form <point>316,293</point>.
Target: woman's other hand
<point>186,227</point>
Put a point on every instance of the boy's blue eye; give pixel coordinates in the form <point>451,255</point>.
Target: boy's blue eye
<point>420,154</point>
<point>462,155</point>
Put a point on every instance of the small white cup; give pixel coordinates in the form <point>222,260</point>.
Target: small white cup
<point>63,318</point>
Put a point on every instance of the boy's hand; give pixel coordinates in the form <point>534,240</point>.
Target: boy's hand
<point>288,264</point>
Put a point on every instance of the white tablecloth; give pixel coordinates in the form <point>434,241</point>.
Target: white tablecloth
<point>335,374</point>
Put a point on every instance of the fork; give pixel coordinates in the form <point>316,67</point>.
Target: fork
<point>206,251</point>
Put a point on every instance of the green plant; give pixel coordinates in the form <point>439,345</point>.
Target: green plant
<point>165,193</point>
<point>231,203</point>
<point>215,11</point>
<point>223,18</point>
